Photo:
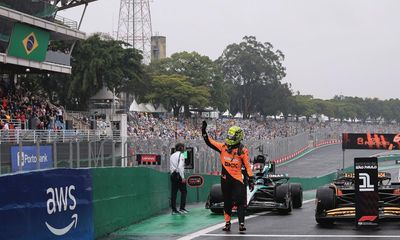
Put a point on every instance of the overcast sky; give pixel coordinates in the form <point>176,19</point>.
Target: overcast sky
<point>332,47</point>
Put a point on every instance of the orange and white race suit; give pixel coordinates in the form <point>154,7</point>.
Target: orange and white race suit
<point>232,182</point>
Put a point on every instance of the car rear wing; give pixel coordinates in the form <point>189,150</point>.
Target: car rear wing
<point>349,177</point>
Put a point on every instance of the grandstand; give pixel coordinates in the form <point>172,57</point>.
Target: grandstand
<point>28,30</point>
<point>30,33</point>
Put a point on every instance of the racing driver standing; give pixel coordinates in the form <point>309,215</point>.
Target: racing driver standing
<point>233,156</point>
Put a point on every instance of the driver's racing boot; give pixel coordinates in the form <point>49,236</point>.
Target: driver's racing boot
<point>227,227</point>
<point>242,228</point>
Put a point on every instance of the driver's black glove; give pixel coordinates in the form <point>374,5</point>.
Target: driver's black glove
<point>203,129</point>
<point>251,183</point>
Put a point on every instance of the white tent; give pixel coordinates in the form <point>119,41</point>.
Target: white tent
<point>227,114</point>
<point>161,109</point>
<point>134,107</point>
<point>143,108</point>
<point>238,115</point>
<point>150,107</point>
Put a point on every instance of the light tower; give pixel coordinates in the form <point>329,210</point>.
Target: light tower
<point>134,25</point>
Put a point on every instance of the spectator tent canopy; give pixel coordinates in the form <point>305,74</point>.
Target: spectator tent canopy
<point>160,109</point>
<point>134,107</point>
<point>146,107</point>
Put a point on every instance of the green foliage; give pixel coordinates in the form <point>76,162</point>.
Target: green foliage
<point>101,62</point>
<point>255,71</point>
<point>199,70</point>
<point>175,91</point>
<point>303,105</point>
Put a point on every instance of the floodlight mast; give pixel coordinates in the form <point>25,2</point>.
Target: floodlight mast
<point>134,26</point>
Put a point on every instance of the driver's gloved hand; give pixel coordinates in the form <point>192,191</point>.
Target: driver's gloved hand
<point>251,183</point>
<point>204,128</point>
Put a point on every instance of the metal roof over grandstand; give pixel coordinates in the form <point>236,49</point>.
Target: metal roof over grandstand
<point>22,65</point>
<point>58,31</point>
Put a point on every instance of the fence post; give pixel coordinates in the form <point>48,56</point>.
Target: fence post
<point>78,155</point>
<point>102,152</point>
<point>113,152</point>
<point>55,155</point>
<point>71,165</point>
<point>89,154</point>
<point>37,154</point>
<point>20,159</point>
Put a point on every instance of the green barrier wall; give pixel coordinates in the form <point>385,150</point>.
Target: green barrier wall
<point>123,196</point>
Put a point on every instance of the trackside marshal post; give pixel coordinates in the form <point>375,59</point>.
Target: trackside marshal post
<point>366,191</point>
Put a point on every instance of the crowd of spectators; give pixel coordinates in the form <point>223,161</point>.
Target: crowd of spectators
<point>24,110</point>
<point>147,126</point>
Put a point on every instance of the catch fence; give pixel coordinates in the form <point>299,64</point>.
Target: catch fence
<point>25,150</point>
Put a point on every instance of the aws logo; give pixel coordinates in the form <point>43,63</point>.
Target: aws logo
<point>30,43</point>
<point>61,200</point>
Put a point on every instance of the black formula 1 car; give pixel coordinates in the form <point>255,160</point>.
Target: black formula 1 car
<point>336,201</point>
<point>271,191</point>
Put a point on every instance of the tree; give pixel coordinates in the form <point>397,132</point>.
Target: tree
<point>274,99</point>
<point>328,109</point>
<point>374,109</point>
<point>199,70</point>
<point>98,62</point>
<point>175,91</point>
<point>303,106</point>
<point>250,65</point>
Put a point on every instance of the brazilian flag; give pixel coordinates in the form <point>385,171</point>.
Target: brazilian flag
<point>28,42</point>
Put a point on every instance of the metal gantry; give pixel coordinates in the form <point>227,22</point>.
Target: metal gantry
<point>134,25</point>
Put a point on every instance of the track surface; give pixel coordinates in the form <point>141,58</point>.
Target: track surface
<point>322,161</point>
<point>301,225</point>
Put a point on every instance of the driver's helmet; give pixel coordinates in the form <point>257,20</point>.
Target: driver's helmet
<point>258,167</point>
<point>235,135</point>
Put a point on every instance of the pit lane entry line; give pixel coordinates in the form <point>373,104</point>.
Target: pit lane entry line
<point>204,231</point>
<point>300,236</point>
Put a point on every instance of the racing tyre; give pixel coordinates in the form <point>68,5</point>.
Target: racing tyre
<point>297,194</point>
<point>325,201</point>
<point>282,195</point>
<point>215,197</point>
<point>216,194</point>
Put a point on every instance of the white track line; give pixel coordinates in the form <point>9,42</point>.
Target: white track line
<point>300,236</point>
<point>307,201</point>
<point>204,231</point>
<point>212,228</point>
